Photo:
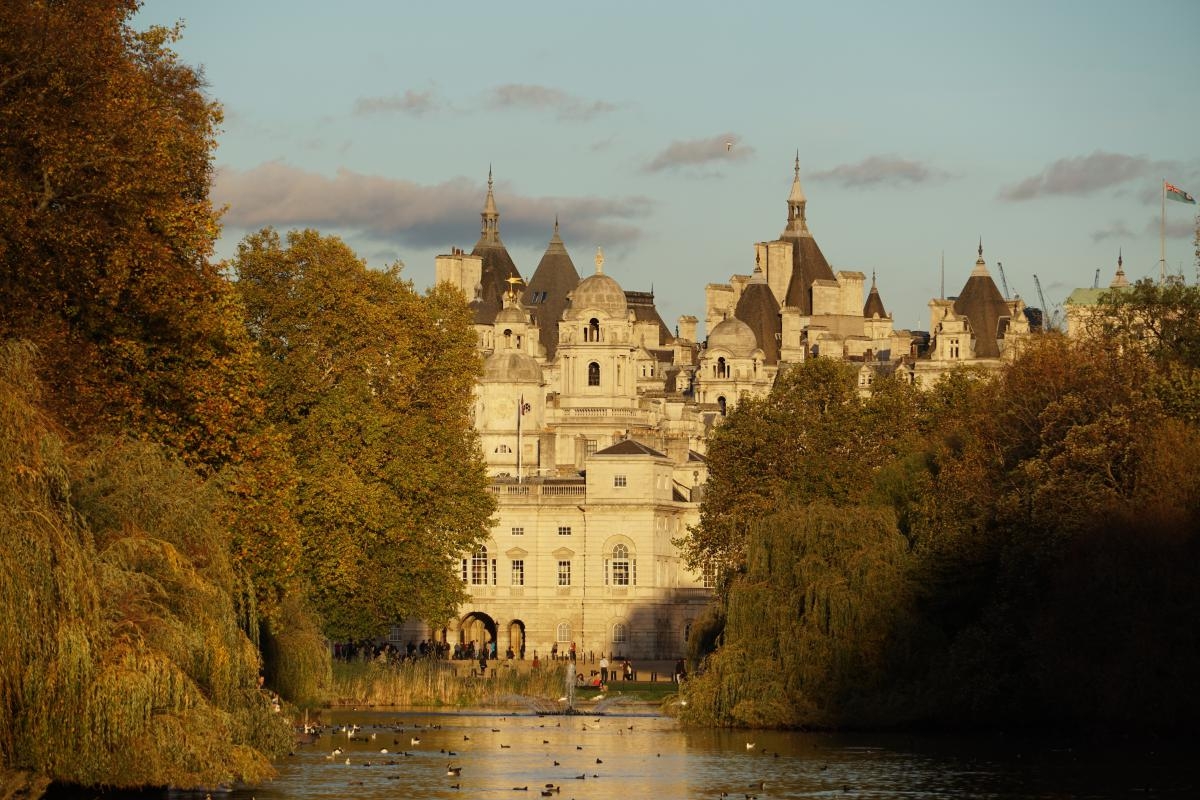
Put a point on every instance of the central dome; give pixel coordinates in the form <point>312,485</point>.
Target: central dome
<point>733,335</point>
<point>601,292</point>
<point>510,366</point>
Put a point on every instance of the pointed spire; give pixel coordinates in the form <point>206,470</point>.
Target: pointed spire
<point>796,197</point>
<point>874,305</point>
<point>1119,279</point>
<point>980,265</point>
<point>490,232</point>
<point>599,261</point>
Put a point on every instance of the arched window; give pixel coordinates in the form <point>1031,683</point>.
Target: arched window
<point>563,634</point>
<point>593,374</point>
<point>722,368</point>
<point>507,338</point>
<point>592,334</point>
<point>721,404</point>
<point>479,567</point>
<point>620,569</point>
<point>620,633</point>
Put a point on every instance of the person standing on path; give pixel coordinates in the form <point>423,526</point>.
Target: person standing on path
<point>603,669</point>
<point>572,652</point>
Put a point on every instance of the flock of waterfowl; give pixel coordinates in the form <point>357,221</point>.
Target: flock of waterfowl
<point>413,732</point>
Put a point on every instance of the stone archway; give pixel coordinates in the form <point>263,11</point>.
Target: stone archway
<point>479,628</point>
<point>516,637</point>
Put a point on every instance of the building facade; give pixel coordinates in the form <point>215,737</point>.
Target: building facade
<point>593,418</point>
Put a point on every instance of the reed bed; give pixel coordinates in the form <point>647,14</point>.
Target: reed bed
<point>438,683</point>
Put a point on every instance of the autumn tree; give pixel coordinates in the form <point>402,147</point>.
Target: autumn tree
<point>122,663</point>
<point>811,438</point>
<point>1053,548</point>
<point>106,229</point>
<point>372,384</point>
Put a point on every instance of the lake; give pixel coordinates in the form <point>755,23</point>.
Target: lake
<point>628,757</point>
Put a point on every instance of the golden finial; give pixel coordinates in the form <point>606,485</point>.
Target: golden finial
<point>599,261</point>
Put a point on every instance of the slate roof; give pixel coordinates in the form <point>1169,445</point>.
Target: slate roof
<point>874,304</point>
<point>629,447</point>
<point>546,295</point>
<point>808,265</point>
<point>758,308</point>
<point>644,310</point>
<point>981,302</point>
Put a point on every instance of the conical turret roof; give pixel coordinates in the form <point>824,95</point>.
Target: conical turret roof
<point>981,303</point>
<point>808,262</point>
<point>874,305</point>
<point>758,308</point>
<point>546,295</point>
<point>497,266</point>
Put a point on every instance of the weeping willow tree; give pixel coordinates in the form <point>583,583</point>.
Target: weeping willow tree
<point>121,660</point>
<point>819,626</point>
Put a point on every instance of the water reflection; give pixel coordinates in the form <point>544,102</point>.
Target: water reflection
<point>633,757</point>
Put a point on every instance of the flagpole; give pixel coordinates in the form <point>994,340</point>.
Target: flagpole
<point>520,413</point>
<point>1162,237</point>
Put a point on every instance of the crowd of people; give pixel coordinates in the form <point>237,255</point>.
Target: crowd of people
<point>619,668</point>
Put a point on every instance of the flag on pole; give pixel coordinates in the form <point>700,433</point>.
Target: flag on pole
<point>1175,193</point>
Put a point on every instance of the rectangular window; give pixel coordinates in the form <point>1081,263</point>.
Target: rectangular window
<point>589,446</point>
<point>564,530</point>
<point>619,481</point>
<point>518,572</point>
<point>518,531</point>
<point>710,576</point>
<point>479,573</point>
<point>564,573</point>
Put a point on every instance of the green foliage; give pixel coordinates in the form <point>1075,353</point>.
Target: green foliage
<point>1162,319</point>
<point>813,437</point>
<point>121,658</point>
<point>1040,569</point>
<point>819,627</point>
<point>298,664</point>
<point>372,384</point>
<point>105,231</point>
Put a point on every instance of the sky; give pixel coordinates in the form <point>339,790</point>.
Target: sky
<point>665,132</point>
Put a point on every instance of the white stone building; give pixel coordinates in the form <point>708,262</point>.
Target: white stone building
<point>593,419</point>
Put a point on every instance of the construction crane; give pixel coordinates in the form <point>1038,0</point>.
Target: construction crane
<point>1096,280</point>
<point>1003,280</point>
<point>1048,320</point>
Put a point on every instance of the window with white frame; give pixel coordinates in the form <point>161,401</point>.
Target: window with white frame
<point>479,567</point>
<point>563,632</point>
<point>710,576</point>
<point>564,530</point>
<point>620,569</point>
<point>620,633</point>
<point>619,481</point>
<point>564,573</point>
<point>518,572</point>
<point>518,530</point>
